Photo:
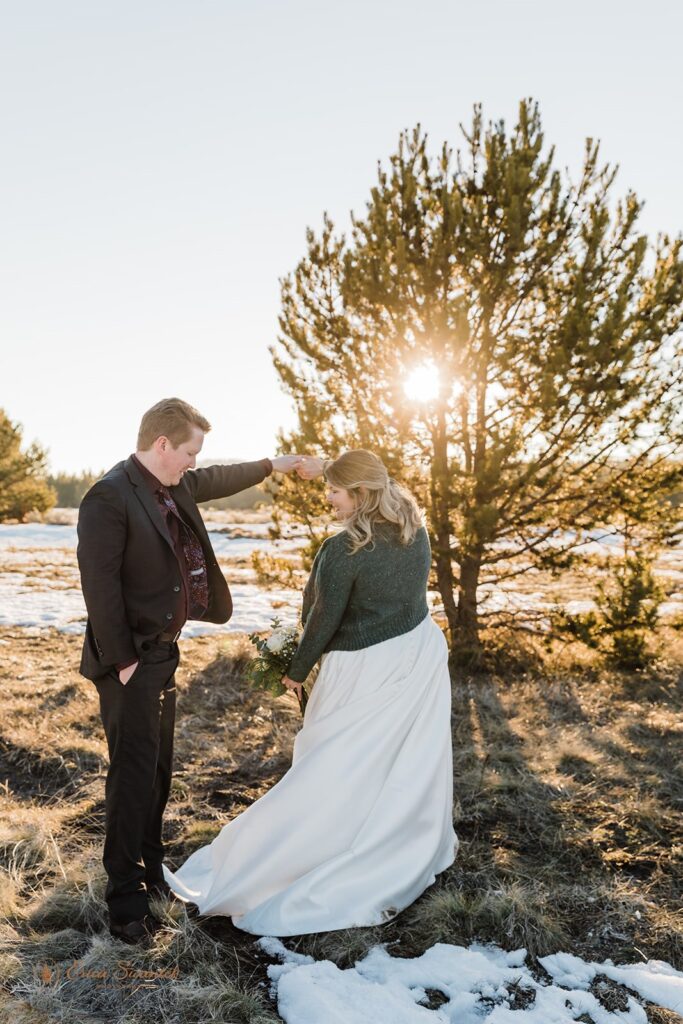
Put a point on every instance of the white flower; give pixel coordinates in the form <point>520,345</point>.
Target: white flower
<point>276,641</point>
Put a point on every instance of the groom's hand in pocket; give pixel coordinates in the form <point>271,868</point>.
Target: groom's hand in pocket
<point>127,672</point>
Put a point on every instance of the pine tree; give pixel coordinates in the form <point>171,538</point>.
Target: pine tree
<point>553,324</point>
<point>23,487</point>
<point>70,488</point>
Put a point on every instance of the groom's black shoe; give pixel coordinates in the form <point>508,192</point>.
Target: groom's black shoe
<point>134,932</point>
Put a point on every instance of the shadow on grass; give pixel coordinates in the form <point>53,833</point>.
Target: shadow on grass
<point>531,870</point>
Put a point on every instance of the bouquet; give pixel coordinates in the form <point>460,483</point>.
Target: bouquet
<point>275,653</point>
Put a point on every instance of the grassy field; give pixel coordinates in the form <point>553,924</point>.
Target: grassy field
<point>568,807</point>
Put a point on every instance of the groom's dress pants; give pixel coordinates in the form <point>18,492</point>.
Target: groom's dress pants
<point>138,721</point>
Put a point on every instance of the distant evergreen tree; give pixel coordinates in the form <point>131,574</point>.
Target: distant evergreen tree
<point>555,330</point>
<point>70,487</point>
<point>23,487</point>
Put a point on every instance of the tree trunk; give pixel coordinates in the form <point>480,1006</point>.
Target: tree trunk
<point>444,578</point>
<point>441,521</point>
<point>466,642</point>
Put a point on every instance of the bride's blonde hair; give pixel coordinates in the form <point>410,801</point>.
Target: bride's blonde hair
<point>381,500</point>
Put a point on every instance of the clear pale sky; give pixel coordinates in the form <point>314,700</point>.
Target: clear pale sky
<point>161,161</point>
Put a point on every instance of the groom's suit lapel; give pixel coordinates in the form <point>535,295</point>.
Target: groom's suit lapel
<point>147,500</point>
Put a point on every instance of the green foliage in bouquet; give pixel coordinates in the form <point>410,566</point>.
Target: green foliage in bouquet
<point>275,653</point>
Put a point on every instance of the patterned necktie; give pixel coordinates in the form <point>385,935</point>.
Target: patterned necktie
<point>198,584</point>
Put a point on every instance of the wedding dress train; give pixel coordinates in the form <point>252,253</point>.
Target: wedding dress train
<point>362,822</point>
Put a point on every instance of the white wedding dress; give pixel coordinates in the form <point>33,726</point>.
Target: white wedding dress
<point>362,822</point>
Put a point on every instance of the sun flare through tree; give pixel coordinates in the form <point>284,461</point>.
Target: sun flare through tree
<point>506,340</point>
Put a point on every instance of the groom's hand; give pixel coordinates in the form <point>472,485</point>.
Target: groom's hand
<point>286,463</point>
<point>126,673</point>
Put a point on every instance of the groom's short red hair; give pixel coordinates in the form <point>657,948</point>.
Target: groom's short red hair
<point>171,418</point>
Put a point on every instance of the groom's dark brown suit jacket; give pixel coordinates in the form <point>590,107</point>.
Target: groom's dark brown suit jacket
<point>129,570</point>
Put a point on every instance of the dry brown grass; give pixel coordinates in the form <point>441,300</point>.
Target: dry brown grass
<point>568,800</point>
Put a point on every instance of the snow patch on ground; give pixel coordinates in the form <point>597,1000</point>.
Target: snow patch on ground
<point>41,603</point>
<point>40,587</point>
<point>39,535</point>
<point>62,607</point>
<point>479,983</point>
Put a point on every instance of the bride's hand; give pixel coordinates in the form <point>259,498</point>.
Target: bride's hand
<point>287,463</point>
<point>291,685</point>
<point>310,466</point>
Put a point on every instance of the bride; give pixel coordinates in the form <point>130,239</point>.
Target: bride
<point>362,822</point>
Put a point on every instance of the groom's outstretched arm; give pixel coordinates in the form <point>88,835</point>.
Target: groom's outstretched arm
<point>216,482</point>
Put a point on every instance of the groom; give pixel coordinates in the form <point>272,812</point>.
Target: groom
<point>147,566</point>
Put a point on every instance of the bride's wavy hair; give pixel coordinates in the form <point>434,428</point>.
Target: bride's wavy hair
<point>377,495</point>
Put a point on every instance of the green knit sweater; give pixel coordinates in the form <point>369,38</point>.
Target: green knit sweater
<point>355,601</point>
